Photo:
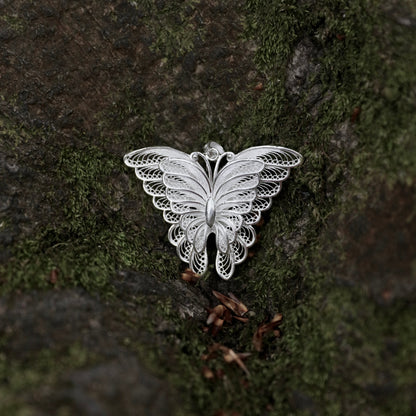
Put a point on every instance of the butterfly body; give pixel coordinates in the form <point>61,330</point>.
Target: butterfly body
<point>212,192</point>
<point>210,212</point>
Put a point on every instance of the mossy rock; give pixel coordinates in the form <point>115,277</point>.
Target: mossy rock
<point>91,288</point>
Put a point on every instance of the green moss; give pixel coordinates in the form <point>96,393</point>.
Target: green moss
<point>14,131</point>
<point>92,240</point>
<point>173,28</point>
<point>15,23</point>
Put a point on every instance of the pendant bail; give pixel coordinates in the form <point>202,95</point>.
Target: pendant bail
<point>213,151</point>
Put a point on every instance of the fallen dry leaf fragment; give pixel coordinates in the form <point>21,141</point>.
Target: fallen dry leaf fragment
<point>189,276</point>
<point>228,354</point>
<point>228,316</point>
<point>259,86</point>
<point>207,373</point>
<point>355,113</point>
<point>231,356</point>
<point>220,373</point>
<point>214,313</point>
<point>277,319</point>
<point>232,303</point>
<point>258,340</point>
<point>53,276</point>
<point>211,351</point>
<point>241,319</point>
<point>265,328</point>
<point>230,308</point>
<point>260,222</point>
<point>217,325</point>
<point>244,355</point>
<point>277,333</point>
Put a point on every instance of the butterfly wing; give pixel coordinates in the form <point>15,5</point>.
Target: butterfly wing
<point>242,190</point>
<point>180,188</point>
<point>277,164</point>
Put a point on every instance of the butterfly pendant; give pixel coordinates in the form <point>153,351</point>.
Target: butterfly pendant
<point>214,192</point>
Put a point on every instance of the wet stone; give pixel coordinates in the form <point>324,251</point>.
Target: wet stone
<point>188,302</point>
<point>114,382</point>
<point>378,245</point>
<point>132,391</point>
<point>301,82</point>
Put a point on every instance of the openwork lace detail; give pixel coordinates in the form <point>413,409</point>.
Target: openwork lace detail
<point>214,192</point>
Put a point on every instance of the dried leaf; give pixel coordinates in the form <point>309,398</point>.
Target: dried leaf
<point>214,347</point>
<point>231,356</point>
<point>244,355</point>
<point>234,305</point>
<point>260,222</point>
<point>220,373</point>
<point>53,276</point>
<point>211,352</point>
<point>259,86</point>
<point>355,113</point>
<point>217,325</point>
<point>207,372</point>
<point>189,276</point>
<point>228,317</point>
<point>265,328</point>
<point>233,297</point>
<point>277,333</point>
<point>214,313</point>
<point>386,295</point>
<point>241,319</point>
<point>277,319</point>
<point>258,340</point>
<point>219,322</point>
<point>211,318</point>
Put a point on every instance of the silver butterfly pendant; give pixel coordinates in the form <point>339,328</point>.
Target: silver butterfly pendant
<point>214,192</point>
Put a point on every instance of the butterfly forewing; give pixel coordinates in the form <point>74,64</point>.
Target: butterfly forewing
<point>272,155</point>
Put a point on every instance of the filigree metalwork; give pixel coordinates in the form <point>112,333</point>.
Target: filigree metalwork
<point>214,192</point>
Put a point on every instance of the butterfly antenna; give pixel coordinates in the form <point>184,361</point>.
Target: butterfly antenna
<point>196,155</point>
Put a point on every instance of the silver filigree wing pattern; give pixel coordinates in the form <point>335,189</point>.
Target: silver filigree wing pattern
<point>214,192</point>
